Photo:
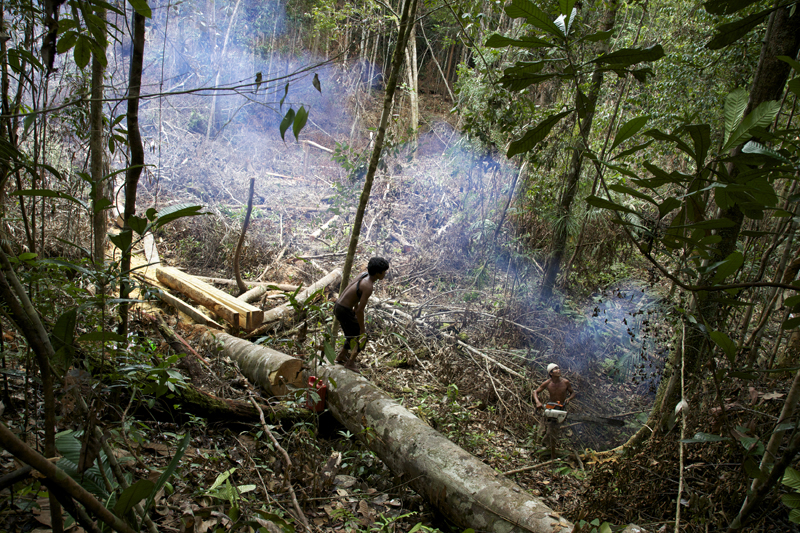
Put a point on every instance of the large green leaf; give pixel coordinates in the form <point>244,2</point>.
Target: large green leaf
<point>630,56</point>
<point>519,82</point>
<point>299,121</point>
<point>286,122</point>
<point>604,203</point>
<point>67,41</point>
<point>624,189</point>
<point>97,27</point>
<point>701,135</point>
<point>661,136</point>
<point>533,15</point>
<point>47,193</point>
<point>565,6</point>
<point>733,31</point>
<point>729,265</point>
<point>761,117</point>
<point>752,147</point>
<point>668,205</point>
<point>174,212</point>
<point>722,340</point>
<point>133,495</point>
<point>598,36</point>
<point>791,501</point>
<point>122,240</point>
<point>628,130</point>
<point>535,135</point>
<point>726,7</point>
<point>91,479</point>
<point>791,478</point>
<point>498,41</point>
<point>141,7</point>
<point>735,104</point>
<point>791,323</point>
<point>63,333</point>
<point>794,86</point>
<point>662,177</point>
<point>791,62</point>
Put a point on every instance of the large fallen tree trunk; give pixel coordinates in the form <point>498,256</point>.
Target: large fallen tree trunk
<point>269,369</point>
<point>467,491</point>
<point>285,310</point>
<point>463,488</point>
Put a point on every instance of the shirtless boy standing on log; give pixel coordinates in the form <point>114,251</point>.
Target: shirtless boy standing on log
<point>349,310</point>
<point>560,394</point>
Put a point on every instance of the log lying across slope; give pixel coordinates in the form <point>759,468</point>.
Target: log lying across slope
<point>269,369</point>
<point>285,310</point>
<point>462,487</point>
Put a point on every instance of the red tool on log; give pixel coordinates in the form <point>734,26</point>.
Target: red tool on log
<point>317,384</point>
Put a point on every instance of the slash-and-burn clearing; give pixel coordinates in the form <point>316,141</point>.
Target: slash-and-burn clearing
<point>457,336</point>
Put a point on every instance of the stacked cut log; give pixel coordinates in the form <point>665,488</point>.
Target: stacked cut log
<point>233,310</point>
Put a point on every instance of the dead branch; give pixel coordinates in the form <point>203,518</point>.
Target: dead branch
<point>238,255</point>
<point>529,468</point>
<point>287,462</point>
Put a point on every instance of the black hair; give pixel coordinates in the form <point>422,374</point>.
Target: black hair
<point>377,265</point>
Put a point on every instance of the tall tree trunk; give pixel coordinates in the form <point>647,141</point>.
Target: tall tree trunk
<point>413,80</point>
<point>409,11</point>
<point>782,38</point>
<point>27,320</point>
<point>97,148</point>
<point>212,117</point>
<point>573,174</point>
<point>134,171</point>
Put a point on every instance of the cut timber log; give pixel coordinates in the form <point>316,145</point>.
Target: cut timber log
<point>260,290</point>
<point>251,284</point>
<point>467,491</point>
<point>325,226</point>
<point>233,310</point>
<point>271,370</point>
<point>194,313</point>
<point>286,309</point>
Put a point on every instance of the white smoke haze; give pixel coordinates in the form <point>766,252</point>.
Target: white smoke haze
<point>434,209</point>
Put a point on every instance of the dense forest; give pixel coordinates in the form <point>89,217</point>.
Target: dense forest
<point>607,188</point>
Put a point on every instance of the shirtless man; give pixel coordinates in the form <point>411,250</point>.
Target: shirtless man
<point>349,310</point>
<point>560,394</point>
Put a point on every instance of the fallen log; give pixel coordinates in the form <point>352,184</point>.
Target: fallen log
<point>467,491</point>
<point>317,232</point>
<point>285,310</point>
<point>271,370</point>
<point>463,488</point>
<point>251,284</point>
<point>194,313</point>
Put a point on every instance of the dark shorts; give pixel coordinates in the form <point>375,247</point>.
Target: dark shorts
<point>347,318</point>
